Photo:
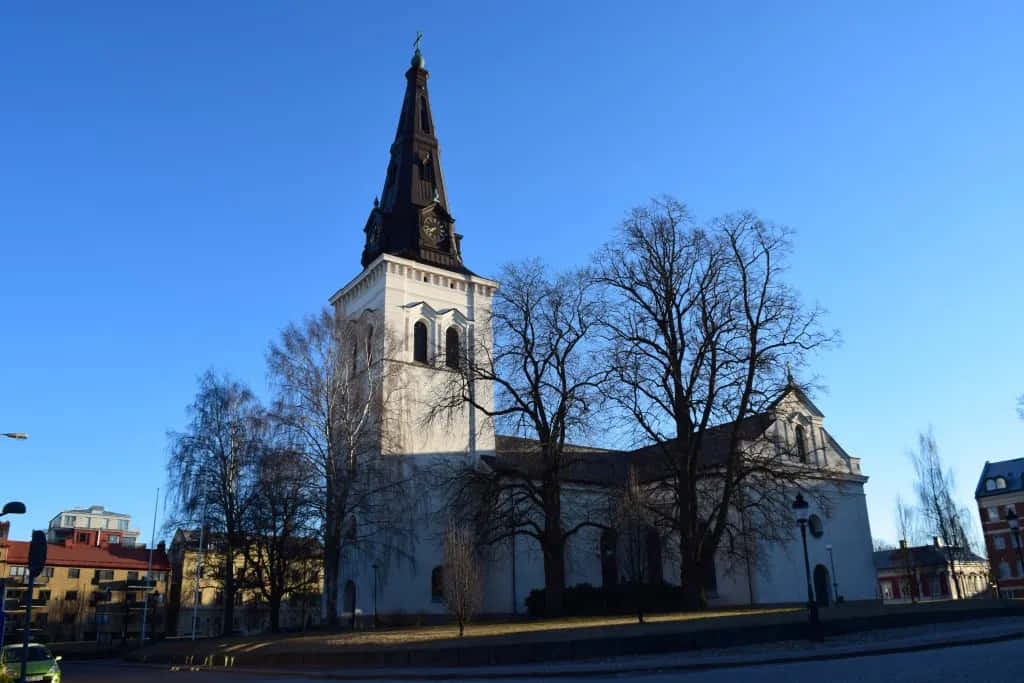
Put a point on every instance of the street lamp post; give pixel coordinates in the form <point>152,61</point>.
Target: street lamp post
<point>12,508</point>
<point>800,511</point>
<point>835,579</point>
<point>1011,519</point>
<point>375,568</point>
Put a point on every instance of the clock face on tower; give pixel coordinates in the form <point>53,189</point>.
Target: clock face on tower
<point>432,230</point>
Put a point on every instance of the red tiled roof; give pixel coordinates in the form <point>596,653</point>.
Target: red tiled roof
<point>87,556</point>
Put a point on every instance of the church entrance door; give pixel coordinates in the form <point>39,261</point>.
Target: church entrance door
<point>821,585</point>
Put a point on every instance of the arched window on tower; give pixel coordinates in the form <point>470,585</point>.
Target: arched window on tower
<point>424,116</point>
<point>451,348</point>
<point>419,342</point>
<point>801,444</point>
<point>427,172</point>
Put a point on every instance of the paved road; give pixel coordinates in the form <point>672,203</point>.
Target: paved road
<point>991,663</point>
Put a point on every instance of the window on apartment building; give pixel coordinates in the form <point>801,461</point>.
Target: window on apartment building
<point>71,595</point>
<point>128,541</point>
<point>133,576</point>
<point>44,596</point>
<point>113,539</point>
<point>105,574</point>
<point>122,524</point>
<point>73,572</point>
<point>47,572</point>
<point>83,538</point>
<point>69,520</point>
<point>999,542</point>
<point>19,571</point>
<point>1004,570</point>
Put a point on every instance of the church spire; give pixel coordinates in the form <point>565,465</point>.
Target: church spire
<point>413,218</point>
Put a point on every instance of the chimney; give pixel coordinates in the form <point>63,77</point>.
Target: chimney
<point>161,547</point>
<point>903,544</point>
<point>936,541</point>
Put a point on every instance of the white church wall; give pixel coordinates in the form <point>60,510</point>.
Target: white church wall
<point>782,575</point>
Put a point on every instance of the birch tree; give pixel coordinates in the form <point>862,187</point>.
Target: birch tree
<point>210,471</point>
<point>332,379</point>
<point>940,515</point>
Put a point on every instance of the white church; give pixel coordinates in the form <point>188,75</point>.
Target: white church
<point>415,281</point>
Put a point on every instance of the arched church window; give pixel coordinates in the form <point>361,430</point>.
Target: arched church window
<point>801,444</point>
<point>437,584</point>
<point>424,117</point>
<point>419,342</point>
<point>451,348</point>
<point>609,558</point>
<point>654,563</point>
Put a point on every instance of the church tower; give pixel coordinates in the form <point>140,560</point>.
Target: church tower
<point>434,309</point>
<point>412,218</point>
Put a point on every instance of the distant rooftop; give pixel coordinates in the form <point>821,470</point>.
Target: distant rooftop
<point>1005,476</point>
<point>94,510</point>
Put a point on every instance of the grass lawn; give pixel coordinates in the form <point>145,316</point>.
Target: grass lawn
<point>511,630</point>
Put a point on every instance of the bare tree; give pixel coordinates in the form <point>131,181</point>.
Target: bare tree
<point>940,514</point>
<point>634,526</point>
<point>332,380</point>
<point>701,329</point>
<point>282,554</point>
<point>210,471</point>
<point>461,575</point>
<point>880,544</point>
<point>545,384</point>
<point>906,527</point>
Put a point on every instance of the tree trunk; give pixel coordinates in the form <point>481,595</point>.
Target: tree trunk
<point>554,575</point>
<point>332,553</point>
<point>275,613</point>
<point>692,581</point>
<point>229,595</point>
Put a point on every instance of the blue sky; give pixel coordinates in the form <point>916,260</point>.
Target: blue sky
<point>180,180</point>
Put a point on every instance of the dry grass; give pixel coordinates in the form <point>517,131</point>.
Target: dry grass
<point>419,635</point>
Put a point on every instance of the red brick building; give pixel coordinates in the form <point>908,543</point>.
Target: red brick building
<point>1001,488</point>
<point>89,589</point>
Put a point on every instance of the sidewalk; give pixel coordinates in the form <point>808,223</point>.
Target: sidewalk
<point>863,644</point>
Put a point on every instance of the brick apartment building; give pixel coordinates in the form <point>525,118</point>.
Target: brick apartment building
<point>1001,489</point>
<point>89,589</point>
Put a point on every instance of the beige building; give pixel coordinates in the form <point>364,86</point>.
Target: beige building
<point>89,589</point>
<point>199,596</point>
<point>112,527</point>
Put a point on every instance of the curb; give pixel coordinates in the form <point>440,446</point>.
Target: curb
<point>592,672</point>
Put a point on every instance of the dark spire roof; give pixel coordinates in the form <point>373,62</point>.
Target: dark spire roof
<point>413,219</point>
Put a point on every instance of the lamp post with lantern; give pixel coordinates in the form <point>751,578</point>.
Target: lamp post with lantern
<point>800,508</point>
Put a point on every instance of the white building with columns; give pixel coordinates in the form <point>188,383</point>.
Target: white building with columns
<point>415,283</point>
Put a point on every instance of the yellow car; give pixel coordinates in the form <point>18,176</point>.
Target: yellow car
<point>41,667</point>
